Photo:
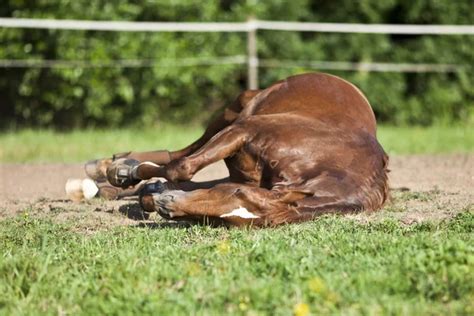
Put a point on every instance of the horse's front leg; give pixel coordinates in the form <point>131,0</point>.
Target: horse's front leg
<point>97,169</point>
<point>231,203</point>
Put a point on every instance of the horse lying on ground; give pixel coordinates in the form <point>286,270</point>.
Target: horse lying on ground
<point>303,147</point>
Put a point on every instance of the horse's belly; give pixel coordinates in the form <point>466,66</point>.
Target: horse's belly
<point>244,168</point>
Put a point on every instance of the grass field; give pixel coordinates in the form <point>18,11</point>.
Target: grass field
<point>331,266</point>
<point>75,261</point>
<point>82,145</point>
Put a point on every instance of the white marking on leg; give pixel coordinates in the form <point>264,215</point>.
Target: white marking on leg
<point>240,212</point>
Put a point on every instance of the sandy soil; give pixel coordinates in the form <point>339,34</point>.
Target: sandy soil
<point>423,187</point>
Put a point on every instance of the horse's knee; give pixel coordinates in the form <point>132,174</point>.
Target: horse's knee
<point>180,169</point>
<point>146,195</point>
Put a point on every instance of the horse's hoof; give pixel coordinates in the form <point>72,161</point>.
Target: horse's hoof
<point>120,173</point>
<point>146,195</point>
<point>80,189</point>
<point>97,169</point>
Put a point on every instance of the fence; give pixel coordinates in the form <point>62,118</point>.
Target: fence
<point>250,27</point>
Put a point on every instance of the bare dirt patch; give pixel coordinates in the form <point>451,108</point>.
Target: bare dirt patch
<point>424,187</point>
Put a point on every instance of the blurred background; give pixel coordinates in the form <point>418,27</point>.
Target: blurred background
<point>64,81</point>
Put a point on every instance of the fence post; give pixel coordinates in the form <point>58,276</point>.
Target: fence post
<point>252,57</point>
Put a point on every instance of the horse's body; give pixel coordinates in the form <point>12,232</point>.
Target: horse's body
<point>300,148</point>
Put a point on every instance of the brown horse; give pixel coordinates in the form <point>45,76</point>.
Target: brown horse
<point>303,147</point>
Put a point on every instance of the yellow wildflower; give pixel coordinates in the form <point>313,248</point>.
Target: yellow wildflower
<point>243,306</point>
<point>301,309</point>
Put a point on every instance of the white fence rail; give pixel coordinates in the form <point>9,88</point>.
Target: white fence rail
<point>250,27</point>
<point>236,26</point>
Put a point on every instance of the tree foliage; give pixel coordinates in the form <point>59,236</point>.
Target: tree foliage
<point>112,96</point>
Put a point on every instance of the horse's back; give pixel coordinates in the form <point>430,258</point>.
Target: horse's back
<point>318,96</point>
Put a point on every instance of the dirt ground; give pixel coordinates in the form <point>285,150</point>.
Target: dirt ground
<point>423,187</point>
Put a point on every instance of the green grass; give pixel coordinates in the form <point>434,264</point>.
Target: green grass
<point>82,145</point>
<point>332,265</point>
<point>429,140</point>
